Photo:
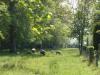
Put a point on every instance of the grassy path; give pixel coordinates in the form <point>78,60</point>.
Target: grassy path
<point>66,64</point>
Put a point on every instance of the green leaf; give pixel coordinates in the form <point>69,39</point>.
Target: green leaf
<point>1,35</point>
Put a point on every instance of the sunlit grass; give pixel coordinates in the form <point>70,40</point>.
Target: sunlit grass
<point>69,63</point>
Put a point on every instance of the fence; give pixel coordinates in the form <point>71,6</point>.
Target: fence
<point>91,54</point>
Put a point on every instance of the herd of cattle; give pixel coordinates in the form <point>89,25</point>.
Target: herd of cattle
<point>43,52</point>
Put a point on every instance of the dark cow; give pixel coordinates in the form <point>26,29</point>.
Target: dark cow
<point>42,51</point>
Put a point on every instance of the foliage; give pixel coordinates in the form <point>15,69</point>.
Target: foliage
<point>4,20</point>
<point>90,47</point>
<point>1,35</point>
<point>83,21</point>
<point>26,22</point>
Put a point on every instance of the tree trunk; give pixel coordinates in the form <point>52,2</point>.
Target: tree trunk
<point>12,38</point>
<point>12,27</point>
<point>87,41</point>
<point>79,45</point>
<point>80,42</point>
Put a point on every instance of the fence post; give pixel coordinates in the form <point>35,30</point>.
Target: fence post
<point>97,55</point>
<point>91,54</point>
<point>97,58</point>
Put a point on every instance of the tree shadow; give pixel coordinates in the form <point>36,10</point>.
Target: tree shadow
<point>22,54</point>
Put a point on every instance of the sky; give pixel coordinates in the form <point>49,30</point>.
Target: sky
<point>72,2</point>
<point>73,41</point>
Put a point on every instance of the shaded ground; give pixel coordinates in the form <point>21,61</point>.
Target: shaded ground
<point>69,63</point>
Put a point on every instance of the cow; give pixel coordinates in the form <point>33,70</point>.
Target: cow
<point>42,52</point>
<point>33,50</point>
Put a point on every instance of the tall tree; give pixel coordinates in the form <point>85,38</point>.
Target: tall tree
<point>82,20</point>
<point>12,27</point>
<point>96,31</point>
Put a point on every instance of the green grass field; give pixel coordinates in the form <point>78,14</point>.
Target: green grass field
<point>69,63</point>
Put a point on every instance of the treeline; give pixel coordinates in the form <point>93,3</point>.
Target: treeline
<point>83,22</point>
<point>34,23</point>
<point>87,29</point>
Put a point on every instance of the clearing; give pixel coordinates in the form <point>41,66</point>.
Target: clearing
<point>69,63</point>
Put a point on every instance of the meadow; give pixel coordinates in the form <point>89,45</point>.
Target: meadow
<point>68,63</point>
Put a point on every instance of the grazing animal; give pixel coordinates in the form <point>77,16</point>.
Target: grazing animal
<point>42,51</point>
<point>58,52</point>
<point>33,50</point>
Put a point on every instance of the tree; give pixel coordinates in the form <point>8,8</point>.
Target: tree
<point>82,20</point>
<point>96,31</point>
<point>50,19</point>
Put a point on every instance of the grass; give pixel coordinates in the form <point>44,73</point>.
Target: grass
<point>69,63</point>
